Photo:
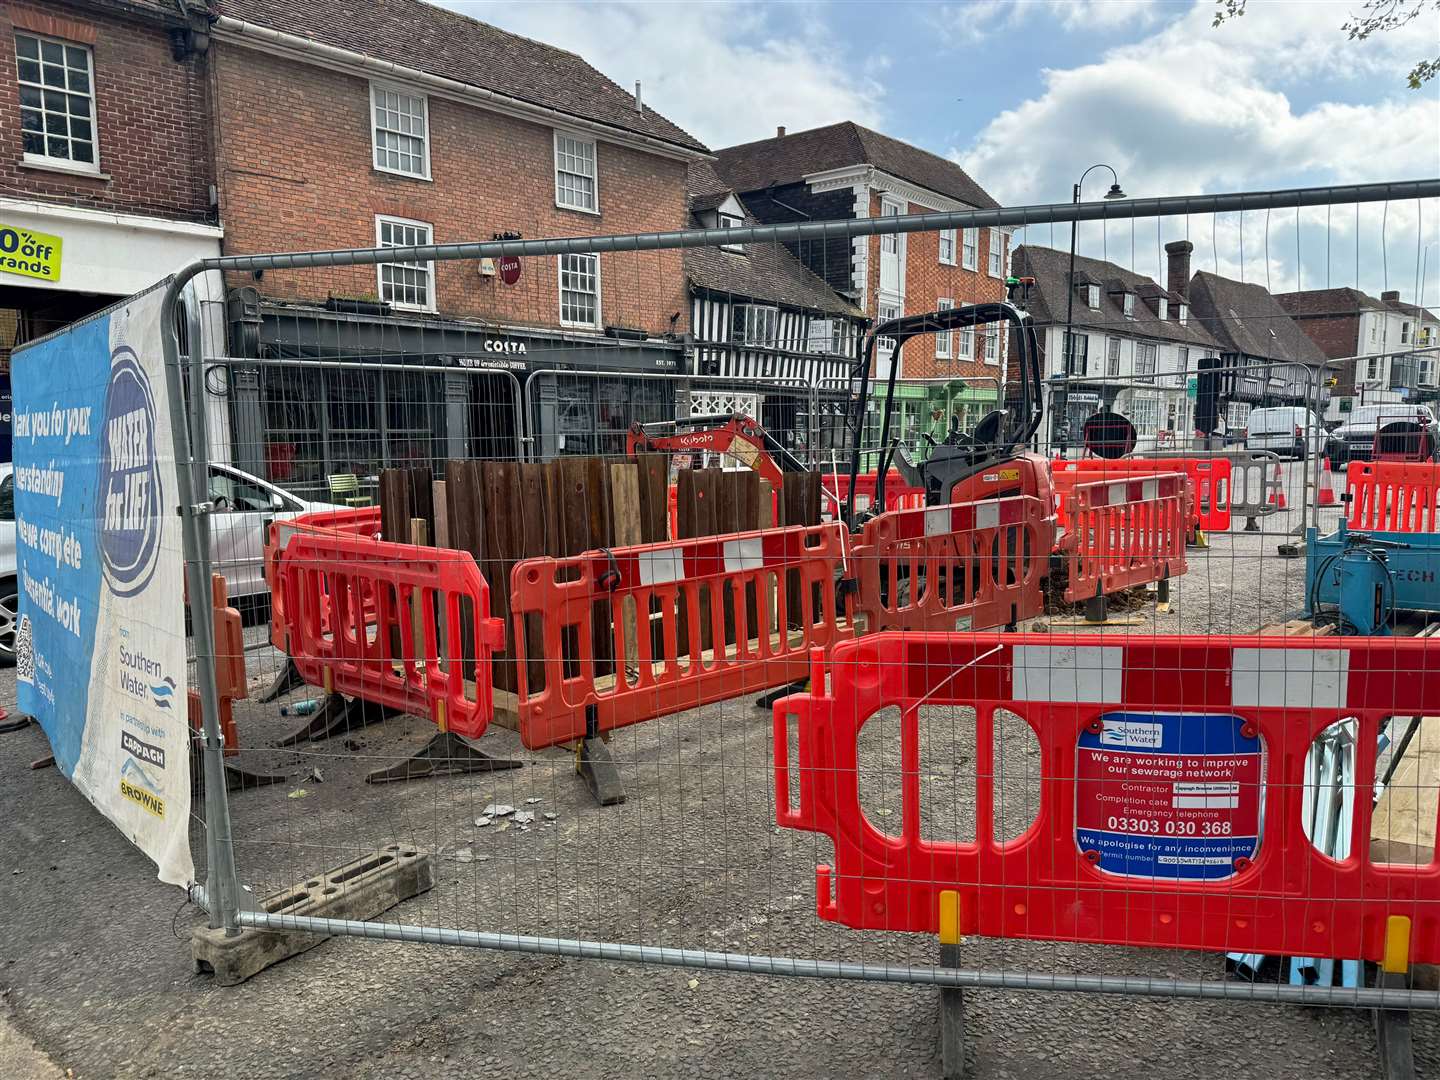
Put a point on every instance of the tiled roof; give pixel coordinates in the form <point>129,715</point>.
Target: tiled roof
<point>1246,319</point>
<point>766,272</point>
<point>787,159</point>
<point>444,43</point>
<point>1050,269</point>
<point>1342,301</point>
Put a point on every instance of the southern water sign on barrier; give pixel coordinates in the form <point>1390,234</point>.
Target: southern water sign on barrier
<point>1174,795</point>
<point>100,650</point>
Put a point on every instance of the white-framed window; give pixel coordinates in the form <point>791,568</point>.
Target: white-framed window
<point>731,221</point>
<point>754,324</point>
<point>1182,366</point>
<point>1077,353</point>
<point>886,311</point>
<point>1162,307</point>
<point>1404,333</point>
<point>1112,356</point>
<point>947,246</point>
<point>996,255</point>
<point>1092,297</point>
<point>1372,368</point>
<point>967,343</point>
<point>943,341</point>
<point>579,290</point>
<point>1182,313</point>
<point>1129,304</point>
<point>576,182</point>
<point>992,343</point>
<point>970,249</point>
<point>1145,354</point>
<point>1237,415</point>
<point>57,102</point>
<point>405,284</point>
<point>1145,412</point>
<point>1374,332</point>
<point>400,131</point>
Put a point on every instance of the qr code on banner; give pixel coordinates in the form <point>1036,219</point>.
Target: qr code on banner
<point>24,652</point>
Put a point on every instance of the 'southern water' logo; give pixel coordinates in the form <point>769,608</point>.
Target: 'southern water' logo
<point>129,491</point>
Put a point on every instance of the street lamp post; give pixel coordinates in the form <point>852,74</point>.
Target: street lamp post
<point>1060,400</point>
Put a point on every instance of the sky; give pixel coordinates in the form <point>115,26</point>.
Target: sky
<point>1026,94</point>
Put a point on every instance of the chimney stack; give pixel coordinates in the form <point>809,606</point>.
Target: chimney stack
<point>1177,276</point>
<point>1392,297</point>
<point>639,106</point>
<point>780,132</point>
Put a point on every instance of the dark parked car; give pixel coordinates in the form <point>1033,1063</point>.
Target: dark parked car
<point>1354,439</point>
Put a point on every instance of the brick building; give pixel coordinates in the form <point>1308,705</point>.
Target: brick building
<point>1375,338</point>
<point>396,122</point>
<point>848,171</point>
<point>105,164</point>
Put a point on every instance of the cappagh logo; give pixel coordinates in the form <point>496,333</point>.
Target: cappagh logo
<point>129,494</point>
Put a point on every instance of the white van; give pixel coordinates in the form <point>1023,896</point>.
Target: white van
<point>1286,429</point>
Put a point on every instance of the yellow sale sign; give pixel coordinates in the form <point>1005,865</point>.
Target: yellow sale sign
<point>28,253</point>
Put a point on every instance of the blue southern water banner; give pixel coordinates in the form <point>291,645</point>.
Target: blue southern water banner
<point>100,649</point>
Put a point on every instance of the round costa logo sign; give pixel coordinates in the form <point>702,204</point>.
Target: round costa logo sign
<point>129,489</point>
<point>509,269</point>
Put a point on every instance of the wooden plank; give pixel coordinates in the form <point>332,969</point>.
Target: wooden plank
<point>601,514</point>
<point>394,506</point>
<point>419,534</point>
<point>574,539</point>
<point>533,541</point>
<point>441,511</point>
<point>422,505</point>
<point>627,528</point>
<point>765,516</point>
<point>503,544</point>
<point>653,481</point>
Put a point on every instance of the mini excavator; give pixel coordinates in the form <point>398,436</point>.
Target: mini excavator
<point>991,462</point>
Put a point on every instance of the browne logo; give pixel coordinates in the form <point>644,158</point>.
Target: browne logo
<point>128,495</point>
<point>137,786</point>
<point>143,751</point>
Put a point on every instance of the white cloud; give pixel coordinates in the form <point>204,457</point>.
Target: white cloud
<point>726,72</point>
<point>1193,109</point>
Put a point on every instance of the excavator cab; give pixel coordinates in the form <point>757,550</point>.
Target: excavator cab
<point>992,460</point>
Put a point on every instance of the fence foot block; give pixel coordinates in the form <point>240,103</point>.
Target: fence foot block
<point>289,678</point>
<point>20,723</point>
<point>1392,1034</point>
<point>336,716</point>
<point>237,777</point>
<point>597,767</point>
<point>952,1020</point>
<point>360,889</point>
<point>1290,551</point>
<point>445,755</point>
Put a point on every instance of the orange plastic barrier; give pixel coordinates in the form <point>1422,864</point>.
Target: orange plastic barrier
<point>834,487</point>
<point>690,622</point>
<point>1171,790</point>
<point>959,567</point>
<point>378,620</point>
<point>1124,533</point>
<point>1394,496</point>
<point>1209,481</point>
<point>361,521</point>
<point>230,682</point>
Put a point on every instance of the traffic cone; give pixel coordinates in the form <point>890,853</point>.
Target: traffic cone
<point>1277,494</point>
<point>1327,484</point>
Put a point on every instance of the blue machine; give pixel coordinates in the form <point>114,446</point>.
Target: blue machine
<point>1368,576</point>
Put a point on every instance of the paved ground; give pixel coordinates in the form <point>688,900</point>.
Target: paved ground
<point>95,969</point>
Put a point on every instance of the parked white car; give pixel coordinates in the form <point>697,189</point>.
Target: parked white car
<point>244,507</point>
<point>1288,430</point>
